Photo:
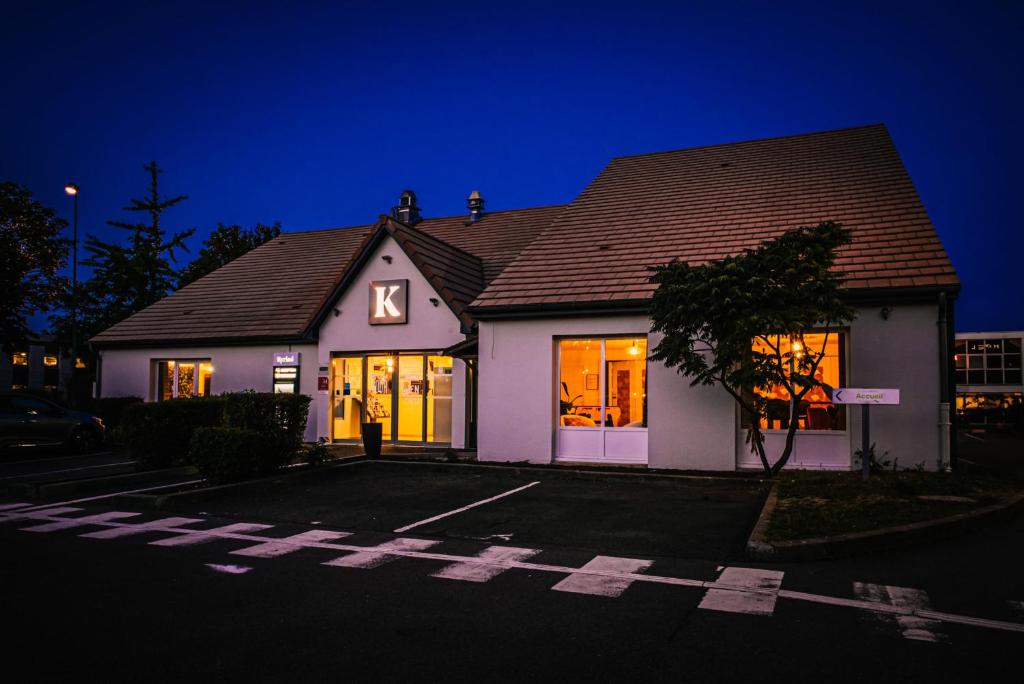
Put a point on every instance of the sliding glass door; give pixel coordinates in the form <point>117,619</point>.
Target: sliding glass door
<point>410,395</point>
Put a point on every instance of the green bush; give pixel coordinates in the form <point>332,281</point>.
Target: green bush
<point>224,454</point>
<point>157,434</point>
<point>280,419</point>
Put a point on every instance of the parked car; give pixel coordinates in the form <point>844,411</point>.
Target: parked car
<point>26,420</point>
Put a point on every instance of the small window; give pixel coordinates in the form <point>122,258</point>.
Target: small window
<point>19,358</point>
<point>816,410</point>
<point>183,379</point>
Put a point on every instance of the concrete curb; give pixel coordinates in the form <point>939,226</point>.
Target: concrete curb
<point>88,485</point>
<point>167,501</point>
<point>816,548</point>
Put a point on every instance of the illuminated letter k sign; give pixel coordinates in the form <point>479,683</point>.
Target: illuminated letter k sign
<point>388,299</point>
<point>385,307</point>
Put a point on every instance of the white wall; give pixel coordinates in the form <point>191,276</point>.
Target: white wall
<point>518,398</point>
<point>130,372</point>
<point>428,328</point>
<point>698,427</point>
<point>901,352</point>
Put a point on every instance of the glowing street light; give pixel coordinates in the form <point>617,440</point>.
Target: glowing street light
<point>72,189</point>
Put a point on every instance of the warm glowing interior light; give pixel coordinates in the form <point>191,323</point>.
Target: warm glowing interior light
<point>49,360</point>
<point>390,363</point>
<point>71,189</point>
<point>634,350</point>
<point>797,347</point>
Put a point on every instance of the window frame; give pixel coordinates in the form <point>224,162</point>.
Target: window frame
<point>844,375</point>
<point>157,388</point>
<point>602,381</point>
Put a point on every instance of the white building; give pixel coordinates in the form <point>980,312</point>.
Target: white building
<point>989,387</point>
<point>524,333</point>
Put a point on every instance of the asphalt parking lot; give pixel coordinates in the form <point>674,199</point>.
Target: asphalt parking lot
<point>672,516</point>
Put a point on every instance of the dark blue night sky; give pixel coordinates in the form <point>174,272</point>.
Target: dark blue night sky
<point>319,114</point>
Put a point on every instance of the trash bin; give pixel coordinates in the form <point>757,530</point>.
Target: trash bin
<point>372,439</point>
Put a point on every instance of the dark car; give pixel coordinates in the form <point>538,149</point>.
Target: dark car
<point>26,420</point>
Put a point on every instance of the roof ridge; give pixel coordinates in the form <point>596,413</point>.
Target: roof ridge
<point>793,136</point>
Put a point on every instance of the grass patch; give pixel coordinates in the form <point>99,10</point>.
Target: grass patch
<point>815,504</point>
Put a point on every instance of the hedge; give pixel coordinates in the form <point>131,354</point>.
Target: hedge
<point>161,434</point>
<point>224,454</point>
<point>157,434</point>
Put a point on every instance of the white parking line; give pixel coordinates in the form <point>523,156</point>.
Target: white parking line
<point>473,570</point>
<point>464,508</point>
<point>280,547</point>
<point>912,625</point>
<point>375,556</point>
<point>193,537</point>
<point>43,507</point>
<point>66,470</point>
<point>585,581</point>
<point>67,524</point>
<point>12,506</point>
<point>139,528</point>
<point>745,596</point>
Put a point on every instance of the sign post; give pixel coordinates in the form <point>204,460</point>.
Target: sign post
<point>865,397</point>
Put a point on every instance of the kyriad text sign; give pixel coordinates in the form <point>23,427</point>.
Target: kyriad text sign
<point>286,359</point>
<point>860,395</point>
<point>389,300</point>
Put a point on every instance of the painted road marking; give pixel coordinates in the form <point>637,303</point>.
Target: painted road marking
<point>279,547</point>
<point>65,470</point>
<point>229,569</point>
<point>12,506</point>
<point>739,598</point>
<point>140,528</point>
<point>67,524</point>
<point>464,508</point>
<point>50,506</point>
<point>192,537</point>
<point>29,514</point>
<point>585,581</point>
<point>912,626</point>
<point>486,565</point>
<point>375,556</point>
<point>819,599</point>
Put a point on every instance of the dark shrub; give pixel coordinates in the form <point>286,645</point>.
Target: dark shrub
<point>225,455</point>
<point>158,434</point>
<point>110,409</point>
<point>280,419</point>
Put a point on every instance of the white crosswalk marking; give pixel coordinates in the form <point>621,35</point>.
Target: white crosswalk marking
<point>486,565</point>
<point>911,626</point>
<point>762,591</point>
<point>601,576</point>
<point>375,556</point>
<point>140,528</point>
<point>204,536</point>
<point>279,547</point>
<point>12,506</point>
<point>99,518</point>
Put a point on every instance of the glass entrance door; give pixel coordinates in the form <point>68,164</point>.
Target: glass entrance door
<point>410,395</point>
<point>380,381</point>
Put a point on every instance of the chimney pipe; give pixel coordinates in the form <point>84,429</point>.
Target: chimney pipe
<point>407,212</point>
<point>475,202</point>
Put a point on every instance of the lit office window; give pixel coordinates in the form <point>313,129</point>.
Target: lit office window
<point>183,379</point>
<point>816,410</point>
<point>992,361</point>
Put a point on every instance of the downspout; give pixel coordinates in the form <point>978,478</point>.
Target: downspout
<point>944,463</point>
<point>954,444</point>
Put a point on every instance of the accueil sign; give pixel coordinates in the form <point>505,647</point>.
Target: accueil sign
<point>389,301</point>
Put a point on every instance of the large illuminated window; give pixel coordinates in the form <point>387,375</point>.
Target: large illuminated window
<point>603,383</point>
<point>816,410</point>
<point>993,361</point>
<point>183,379</point>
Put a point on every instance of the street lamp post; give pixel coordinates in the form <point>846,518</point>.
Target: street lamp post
<point>72,189</point>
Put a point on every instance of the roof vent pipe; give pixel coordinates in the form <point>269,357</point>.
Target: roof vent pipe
<point>407,212</point>
<point>475,202</point>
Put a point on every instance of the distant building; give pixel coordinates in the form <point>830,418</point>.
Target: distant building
<point>35,363</point>
<point>989,386</point>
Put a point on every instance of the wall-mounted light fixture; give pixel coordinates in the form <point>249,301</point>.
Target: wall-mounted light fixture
<point>434,301</point>
<point>885,312</point>
<point>337,312</point>
<point>387,258</point>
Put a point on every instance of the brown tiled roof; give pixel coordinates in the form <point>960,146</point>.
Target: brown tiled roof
<point>275,291</point>
<point>706,203</point>
<point>456,275</point>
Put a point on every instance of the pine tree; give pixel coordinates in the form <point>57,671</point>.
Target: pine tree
<point>129,276</point>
